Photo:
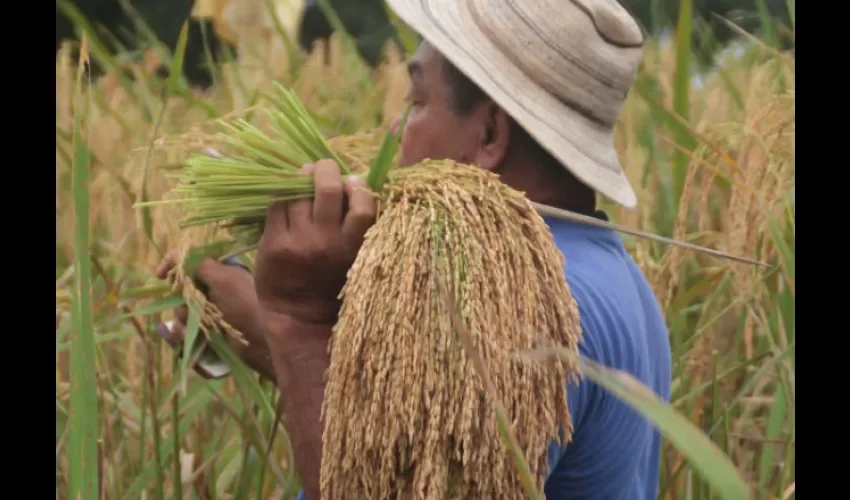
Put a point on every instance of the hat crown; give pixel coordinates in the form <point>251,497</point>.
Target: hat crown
<point>586,53</point>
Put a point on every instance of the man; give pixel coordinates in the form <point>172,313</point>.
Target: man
<point>530,91</point>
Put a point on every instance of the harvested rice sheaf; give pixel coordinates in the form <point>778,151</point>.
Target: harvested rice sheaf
<point>405,415</point>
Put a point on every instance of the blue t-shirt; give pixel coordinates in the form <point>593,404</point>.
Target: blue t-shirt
<point>614,453</point>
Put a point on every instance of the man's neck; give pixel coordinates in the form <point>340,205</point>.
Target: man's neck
<point>540,186</point>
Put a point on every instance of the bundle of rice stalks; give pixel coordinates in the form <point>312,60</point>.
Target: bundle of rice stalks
<point>406,415</point>
<point>235,188</point>
<point>456,258</point>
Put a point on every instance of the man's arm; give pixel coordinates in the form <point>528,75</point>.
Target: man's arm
<point>230,286</point>
<point>306,250</point>
<point>256,353</point>
<point>301,380</point>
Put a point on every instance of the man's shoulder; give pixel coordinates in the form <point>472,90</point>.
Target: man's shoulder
<point>622,328</point>
<point>601,275</point>
<point>619,313</point>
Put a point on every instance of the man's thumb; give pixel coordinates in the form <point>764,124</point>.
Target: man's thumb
<point>207,270</point>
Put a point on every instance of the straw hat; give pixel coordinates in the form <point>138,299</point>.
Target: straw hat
<point>560,68</point>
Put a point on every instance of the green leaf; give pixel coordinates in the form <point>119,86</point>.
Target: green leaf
<point>99,339</point>
<point>383,160</point>
<point>787,260</point>
<point>176,72</point>
<point>246,381</point>
<point>166,448</point>
<point>100,52</point>
<point>775,426</point>
<point>198,254</point>
<point>84,411</point>
<point>681,96</point>
<point>155,307</point>
<point>292,50</point>
<point>174,76</point>
<point>189,340</point>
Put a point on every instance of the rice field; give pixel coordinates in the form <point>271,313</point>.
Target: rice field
<point>712,162</point>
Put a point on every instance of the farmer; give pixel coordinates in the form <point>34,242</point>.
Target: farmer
<point>530,91</point>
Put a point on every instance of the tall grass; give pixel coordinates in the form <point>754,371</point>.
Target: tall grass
<point>83,407</point>
<point>712,165</point>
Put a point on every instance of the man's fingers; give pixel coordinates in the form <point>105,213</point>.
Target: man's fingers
<point>162,270</point>
<point>279,215</point>
<point>277,219</point>
<point>164,331</point>
<point>362,210</point>
<point>208,271</point>
<point>181,315</point>
<point>178,331</point>
<point>166,265</point>
<point>300,213</point>
<point>329,197</point>
<point>171,332</point>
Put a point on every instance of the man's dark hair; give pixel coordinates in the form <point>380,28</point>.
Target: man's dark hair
<point>465,95</point>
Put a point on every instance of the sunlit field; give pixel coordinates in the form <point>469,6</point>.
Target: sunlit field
<point>712,164</point>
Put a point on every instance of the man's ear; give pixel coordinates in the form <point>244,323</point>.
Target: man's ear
<point>495,138</point>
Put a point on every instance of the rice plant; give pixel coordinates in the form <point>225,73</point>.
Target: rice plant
<point>712,164</point>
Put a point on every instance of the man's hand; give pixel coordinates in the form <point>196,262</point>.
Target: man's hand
<point>231,289</point>
<point>302,261</point>
<point>308,247</point>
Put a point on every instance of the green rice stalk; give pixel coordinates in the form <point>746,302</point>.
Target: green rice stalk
<point>235,189</point>
<point>83,422</point>
<point>176,73</point>
<point>383,161</point>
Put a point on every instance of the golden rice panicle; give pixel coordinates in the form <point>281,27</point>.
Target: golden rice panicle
<point>405,415</point>
<point>211,317</point>
<point>358,150</point>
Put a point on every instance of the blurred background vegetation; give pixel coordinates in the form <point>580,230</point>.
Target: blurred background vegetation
<point>707,138</point>
<point>121,24</point>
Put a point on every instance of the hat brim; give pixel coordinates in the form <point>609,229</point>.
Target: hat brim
<point>583,146</point>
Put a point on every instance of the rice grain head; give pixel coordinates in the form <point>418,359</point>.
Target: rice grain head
<point>405,415</point>
<point>358,150</point>
<point>210,317</point>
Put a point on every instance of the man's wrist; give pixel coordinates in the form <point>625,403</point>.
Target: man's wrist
<point>294,340</point>
<point>302,312</point>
